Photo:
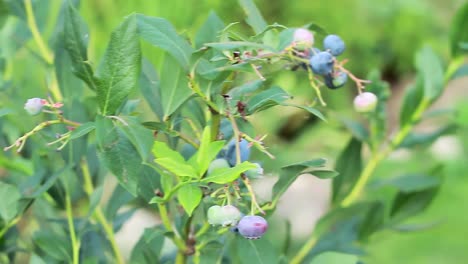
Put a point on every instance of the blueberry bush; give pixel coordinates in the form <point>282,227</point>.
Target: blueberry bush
<point>192,156</point>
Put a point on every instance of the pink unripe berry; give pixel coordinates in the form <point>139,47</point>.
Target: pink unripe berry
<point>34,106</point>
<point>303,37</point>
<point>365,102</point>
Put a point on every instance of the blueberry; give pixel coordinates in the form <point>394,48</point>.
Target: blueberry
<point>231,151</point>
<point>322,63</point>
<point>335,44</point>
<point>365,102</point>
<point>223,215</point>
<point>335,80</point>
<point>214,215</point>
<point>34,106</point>
<point>255,173</point>
<point>217,164</point>
<point>252,226</point>
<point>231,215</point>
<point>303,38</point>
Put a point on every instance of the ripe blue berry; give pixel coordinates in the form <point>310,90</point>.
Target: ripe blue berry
<point>322,63</point>
<point>231,151</point>
<point>252,226</point>
<point>365,102</point>
<point>335,44</point>
<point>336,79</point>
<point>34,106</point>
<point>217,164</point>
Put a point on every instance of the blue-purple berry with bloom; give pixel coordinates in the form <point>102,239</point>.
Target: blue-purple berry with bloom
<point>334,44</point>
<point>231,151</point>
<point>252,226</point>
<point>322,63</point>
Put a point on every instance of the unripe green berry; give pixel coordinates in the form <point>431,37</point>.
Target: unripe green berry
<point>217,164</point>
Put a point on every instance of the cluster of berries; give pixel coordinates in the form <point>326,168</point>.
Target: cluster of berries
<point>325,64</point>
<point>248,226</point>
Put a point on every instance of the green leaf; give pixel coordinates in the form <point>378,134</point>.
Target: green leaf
<point>82,130</point>
<point>349,165</point>
<point>259,251</point>
<point>150,88</point>
<point>5,111</point>
<point>141,137</point>
<point>49,182</point>
<point>119,197</point>
<point>357,129</point>
<point>189,197</point>
<point>206,152</point>
<point>309,109</point>
<point>373,220</point>
<point>9,195</point>
<point>335,257</point>
<point>159,32</point>
<point>305,164</point>
<point>119,155</point>
<point>209,31</point>
<point>148,250</point>
<point>237,93</point>
<point>290,173</point>
<point>76,35</point>
<point>458,32</point>
<point>266,99</point>
<point>407,204</point>
<point>324,174</point>
<point>432,72</point>
<point>212,253</point>
<point>411,100</point>
<point>236,45</point>
<point>174,87</point>
<point>227,175</point>
<point>286,37</point>
<point>157,200</point>
<point>172,160</point>
<point>415,194</point>
<point>94,200</point>
<point>119,70</point>
<point>410,182</point>
<point>254,18</point>
<point>425,139</point>
<point>54,245</point>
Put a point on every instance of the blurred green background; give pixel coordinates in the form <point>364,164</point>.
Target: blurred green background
<point>380,34</point>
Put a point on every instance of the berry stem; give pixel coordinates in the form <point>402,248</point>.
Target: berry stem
<point>314,85</point>
<point>360,83</point>
<point>75,243</point>
<point>31,20</point>
<point>21,141</point>
<point>167,224</point>
<point>98,214</point>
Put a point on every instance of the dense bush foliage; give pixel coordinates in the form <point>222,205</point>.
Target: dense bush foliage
<point>194,158</point>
